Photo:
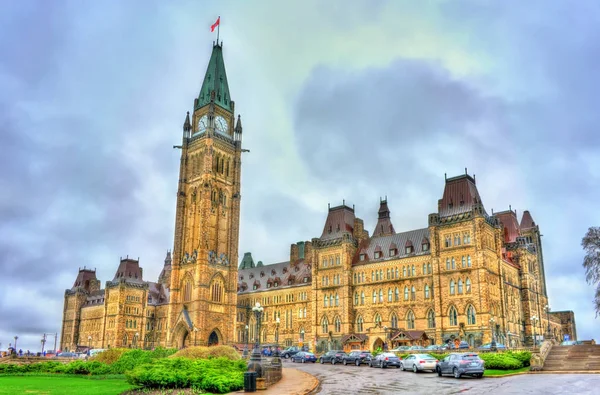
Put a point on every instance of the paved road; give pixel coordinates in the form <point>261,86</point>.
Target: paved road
<point>340,379</point>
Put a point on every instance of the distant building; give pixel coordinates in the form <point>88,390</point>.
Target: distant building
<point>468,275</point>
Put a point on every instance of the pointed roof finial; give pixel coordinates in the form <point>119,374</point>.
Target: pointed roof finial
<point>445,177</point>
<point>466,171</point>
<point>238,125</point>
<point>187,126</point>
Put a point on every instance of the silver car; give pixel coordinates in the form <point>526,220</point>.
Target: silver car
<point>419,362</point>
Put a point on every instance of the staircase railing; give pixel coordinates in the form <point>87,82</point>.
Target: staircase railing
<point>538,358</point>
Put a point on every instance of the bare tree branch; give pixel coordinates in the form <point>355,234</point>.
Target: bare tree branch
<point>591,261</point>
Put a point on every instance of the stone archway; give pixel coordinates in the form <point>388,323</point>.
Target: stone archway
<point>377,344</point>
<point>181,337</point>
<point>213,339</point>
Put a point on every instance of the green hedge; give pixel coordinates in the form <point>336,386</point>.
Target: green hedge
<point>219,375</point>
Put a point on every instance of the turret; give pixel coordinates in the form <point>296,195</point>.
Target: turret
<point>187,126</point>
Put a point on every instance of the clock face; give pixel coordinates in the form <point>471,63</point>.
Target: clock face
<point>202,124</point>
<point>221,125</point>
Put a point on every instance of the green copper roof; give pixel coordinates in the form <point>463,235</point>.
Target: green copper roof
<point>215,80</point>
<point>247,261</point>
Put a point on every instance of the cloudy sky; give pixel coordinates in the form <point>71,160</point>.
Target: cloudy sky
<point>339,100</point>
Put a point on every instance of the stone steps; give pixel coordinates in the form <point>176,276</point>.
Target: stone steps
<point>573,358</point>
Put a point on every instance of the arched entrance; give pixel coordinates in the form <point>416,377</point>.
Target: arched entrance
<point>213,339</point>
<point>181,338</point>
<point>377,344</point>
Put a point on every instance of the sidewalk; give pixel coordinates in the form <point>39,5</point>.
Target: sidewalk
<point>293,382</point>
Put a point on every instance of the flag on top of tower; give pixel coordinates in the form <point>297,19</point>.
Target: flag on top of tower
<point>214,25</point>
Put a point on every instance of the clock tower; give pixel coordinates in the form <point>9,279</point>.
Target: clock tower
<point>203,289</point>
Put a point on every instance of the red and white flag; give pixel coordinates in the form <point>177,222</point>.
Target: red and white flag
<point>214,25</point>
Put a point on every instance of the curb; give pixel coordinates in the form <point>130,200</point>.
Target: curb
<point>506,375</point>
<point>565,372</point>
<point>316,383</point>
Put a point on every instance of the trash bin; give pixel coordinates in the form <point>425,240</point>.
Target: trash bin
<point>250,381</point>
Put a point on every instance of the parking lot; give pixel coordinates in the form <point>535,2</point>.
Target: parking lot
<point>340,379</point>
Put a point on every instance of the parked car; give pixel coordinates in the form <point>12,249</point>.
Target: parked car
<point>288,352</point>
<point>488,346</point>
<point>333,357</point>
<point>357,357</point>
<point>417,348</point>
<point>434,347</point>
<point>419,362</point>
<point>459,364</point>
<point>400,349</point>
<point>571,343</point>
<point>384,360</point>
<point>66,355</point>
<point>304,356</point>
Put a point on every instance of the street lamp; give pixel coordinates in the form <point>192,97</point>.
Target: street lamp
<point>43,341</point>
<point>302,337</point>
<point>547,308</point>
<point>493,344</point>
<point>16,338</point>
<point>245,353</point>
<point>534,320</point>
<point>258,310</point>
<point>276,359</point>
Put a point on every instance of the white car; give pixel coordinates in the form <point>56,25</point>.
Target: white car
<point>419,362</point>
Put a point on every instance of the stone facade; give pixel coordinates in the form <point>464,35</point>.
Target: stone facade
<point>466,275</point>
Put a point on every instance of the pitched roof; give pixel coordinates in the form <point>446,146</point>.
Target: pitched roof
<point>339,220</point>
<point>384,225</point>
<point>83,278</point>
<point>283,273</point>
<point>386,243</point>
<point>130,270</point>
<point>215,80</point>
<point>247,261</point>
<point>510,224</point>
<point>460,195</point>
<point>527,220</point>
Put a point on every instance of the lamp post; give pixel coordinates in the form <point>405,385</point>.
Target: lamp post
<point>534,320</point>
<point>89,342</point>
<point>302,337</point>
<point>245,353</point>
<point>547,308</point>
<point>509,339</point>
<point>43,341</point>
<point>195,334</point>
<point>16,338</point>
<point>276,360</point>
<point>258,310</point>
<point>493,344</point>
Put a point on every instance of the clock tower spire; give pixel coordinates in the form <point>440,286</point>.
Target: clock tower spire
<point>204,270</point>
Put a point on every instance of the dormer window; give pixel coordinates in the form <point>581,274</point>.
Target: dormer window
<point>285,270</point>
<point>377,254</point>
<point>425,246</point>
<point>262,274</point>
<point>393,252</point>
<point>273,272</point>
<point>276,284</point>
<point>251,275</point>
<point>268,285</point>
<point>254,287</point>
<point>241,278</point>
<point>305,279</point>
<point>362,257</point>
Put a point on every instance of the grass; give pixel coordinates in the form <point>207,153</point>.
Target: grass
<point>493,372</point>
<point>62,384</point>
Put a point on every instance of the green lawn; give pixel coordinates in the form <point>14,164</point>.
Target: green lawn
<point>492,372</point>
<point>60,384</point>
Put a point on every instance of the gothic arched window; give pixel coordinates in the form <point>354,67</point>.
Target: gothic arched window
<point>324,325</point>
<point>471,319</point>
<point>426,291</point>
<point>451,287</point>
<point>394,321</point>
<point>410,320</point>
<point>453,316</point>
<point>405,293</point>
<point>431,319</point>
<point>338,324</point>
<point>359,324</point>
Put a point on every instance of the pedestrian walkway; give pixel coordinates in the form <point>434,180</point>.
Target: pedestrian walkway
<point>293,382</point>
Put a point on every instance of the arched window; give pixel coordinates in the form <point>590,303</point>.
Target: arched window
<point>397,273</point>
<point>414,272</point>
<point>362,298</point>
<point>468,260</point>
<point>468,285</point>
<point>394,321</point>
<point>337,300</point>
<point>405,293</point>
<point>404,271</point>
<point>374,297</point>
<point>330,300</point>
<point>396,294</point>
<point>447,263</point>
<point>424,268</point>
<point>380,296</point>
<point>429,268</point>
<point>387,274</point>
<point>355,278</point>
<point>325,301</point>
<point>451,287</point>
<point>460,286</point>
<point>217,291</point>
<point>453,263</point>
<point>390,295</point>
<point>125,340</point>
<point>426,291</point>
<point>377,319</point>
<point>431,319</point>
<point>338,324</point>
<point>187,290</point>
<point>453,316</point>
<point>376,275</point>
<point>324,325</point>
<point>356,298</point>
<point>359,324</point>
<point>410,320</point>
<point>471,319</point>
<point>413,293</point>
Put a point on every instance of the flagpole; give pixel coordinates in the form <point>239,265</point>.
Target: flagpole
<point>218,27</point>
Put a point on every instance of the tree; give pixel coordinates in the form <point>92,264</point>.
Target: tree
<point>591,261</point>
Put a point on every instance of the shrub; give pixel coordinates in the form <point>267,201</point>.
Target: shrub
<point>500,361</point>
<point>439,357</point>
<point>523,356</point>
<point>208,352</point>
<point>109,356</point>
<point>218,375</point>
<point>130,359</point>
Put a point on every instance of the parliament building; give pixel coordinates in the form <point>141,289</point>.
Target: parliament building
<point>466,275</point>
